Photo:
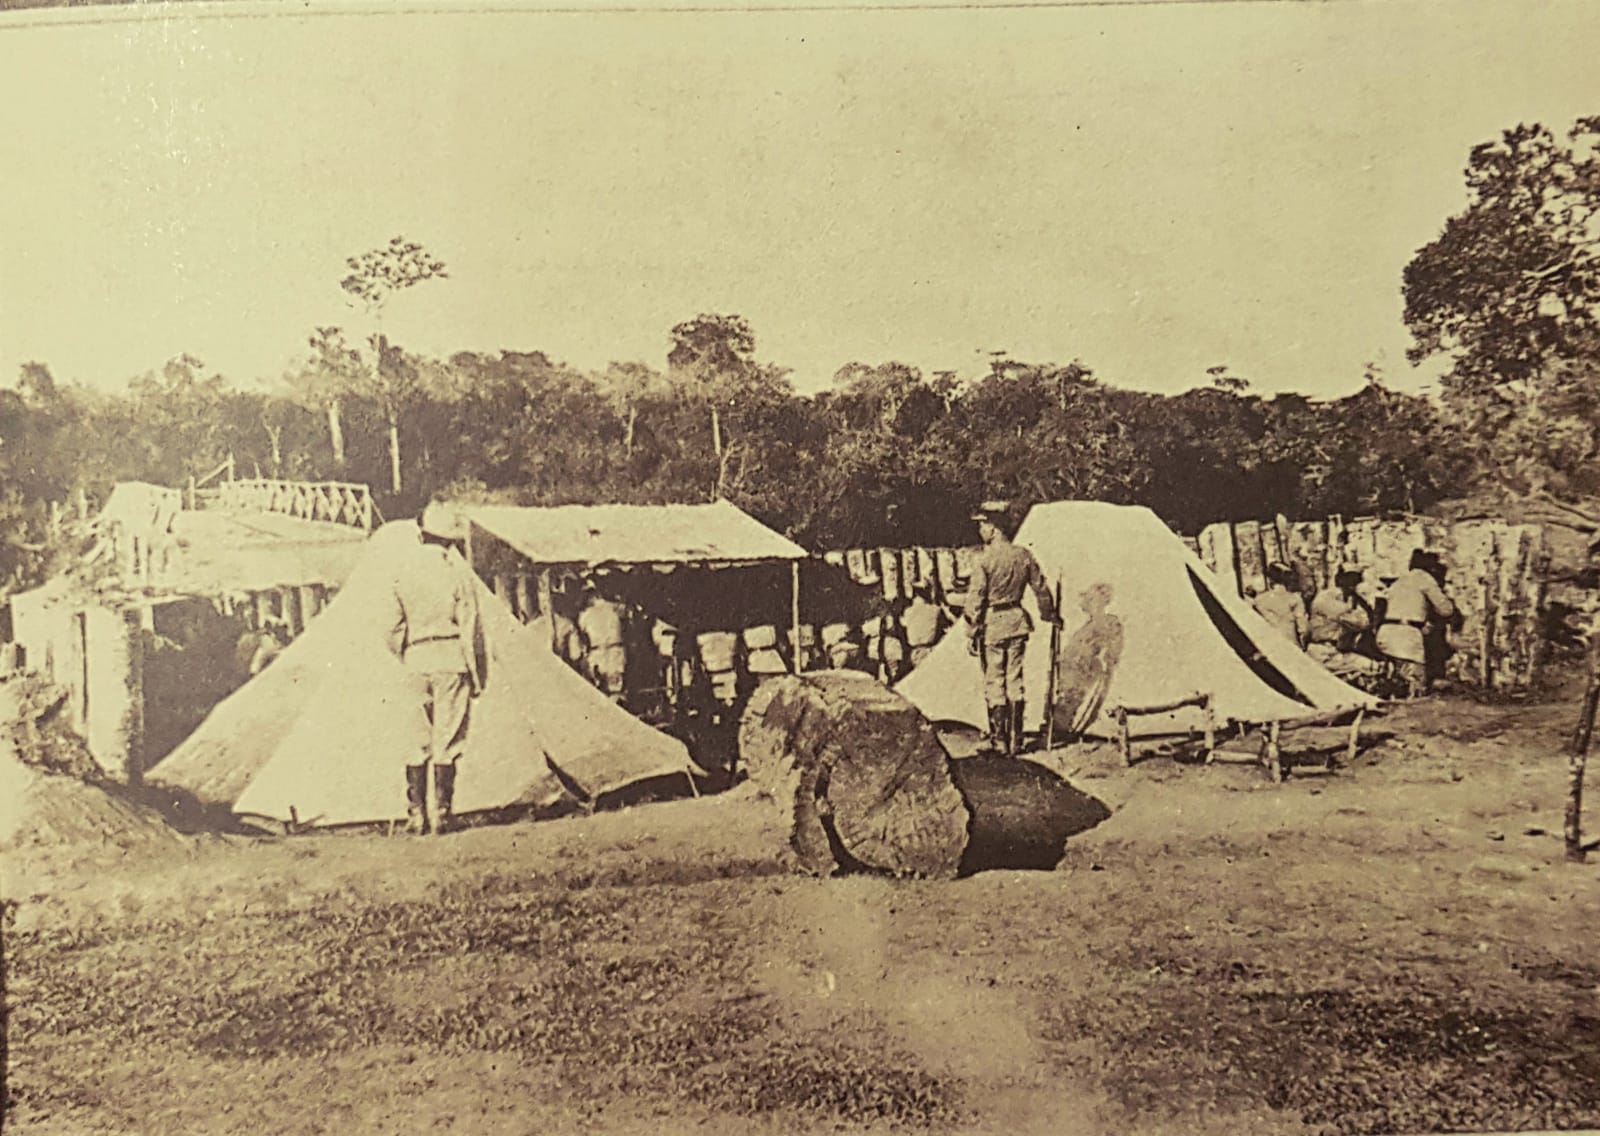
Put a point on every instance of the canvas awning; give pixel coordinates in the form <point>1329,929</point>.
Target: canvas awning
<point>592,535</point>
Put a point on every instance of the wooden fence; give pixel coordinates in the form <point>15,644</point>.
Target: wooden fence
<point>1496,576</point>
<point>337,501</point>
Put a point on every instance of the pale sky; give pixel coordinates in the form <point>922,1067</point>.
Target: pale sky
<point>1151,189</point>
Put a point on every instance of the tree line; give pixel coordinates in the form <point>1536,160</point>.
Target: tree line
<point>886,456</point>
<point>1508,296</point>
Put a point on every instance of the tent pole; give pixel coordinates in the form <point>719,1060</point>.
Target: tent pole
<point>1050,697</point>
<point>794,616</point>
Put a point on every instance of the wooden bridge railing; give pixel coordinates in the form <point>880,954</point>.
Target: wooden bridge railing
<point>340,502</point>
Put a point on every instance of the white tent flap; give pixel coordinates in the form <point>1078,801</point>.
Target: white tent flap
<point>1146,624</point>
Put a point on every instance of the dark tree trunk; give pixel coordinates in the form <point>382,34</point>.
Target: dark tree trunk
<point>1022,813</point>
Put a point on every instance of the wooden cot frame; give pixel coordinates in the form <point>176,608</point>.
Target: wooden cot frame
<point>1271,756</point>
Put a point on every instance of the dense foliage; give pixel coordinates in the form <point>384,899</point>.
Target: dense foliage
<point>1508,296</point>
<point>886,456</point>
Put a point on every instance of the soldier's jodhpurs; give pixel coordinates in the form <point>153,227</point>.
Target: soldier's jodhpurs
<point>446,698</point>
<point>1002,671</point>
<point>1003,692</point>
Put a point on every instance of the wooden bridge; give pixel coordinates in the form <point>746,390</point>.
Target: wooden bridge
<point>340,502</point>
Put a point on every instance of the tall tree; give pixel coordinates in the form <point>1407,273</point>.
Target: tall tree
<point>327,379</point>
<point>1509,293</point>
<point>716,353</point>
<point>374,277</point>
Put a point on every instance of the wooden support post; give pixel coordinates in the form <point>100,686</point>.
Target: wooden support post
<point>289,603</point>
<point>1211,729</point>
<point>502,587</point>
<point>1578,758</point>
<point>1123,739</point>
<point>263,608</point>
<point>310,602</point>
<point>1272,753</point>
<point>794,616</point>
<point>524,597</point>
<point>547,609</point>
<point>113,672</point>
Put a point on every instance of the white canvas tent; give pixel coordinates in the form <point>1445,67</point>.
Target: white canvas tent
<point>1146,625</point>
<point>319,735</point>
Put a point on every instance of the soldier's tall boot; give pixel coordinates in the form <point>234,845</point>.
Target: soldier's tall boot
<point>1016,746</point>
<point>999,726</point>
<point>444,795</point>
<point>416,799</point>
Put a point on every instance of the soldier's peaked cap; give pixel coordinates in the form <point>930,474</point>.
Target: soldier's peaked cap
<point>441,521</point>
<point>992,510</point>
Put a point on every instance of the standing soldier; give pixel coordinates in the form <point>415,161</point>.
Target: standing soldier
<point>999,626</point>
<point>1414,601</point>
<point>436,634</point>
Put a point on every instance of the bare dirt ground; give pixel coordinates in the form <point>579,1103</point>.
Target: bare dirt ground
<point>1395,947</point>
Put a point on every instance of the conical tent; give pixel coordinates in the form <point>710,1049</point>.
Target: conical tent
<point>321,734</point>
<point>1145,625</point>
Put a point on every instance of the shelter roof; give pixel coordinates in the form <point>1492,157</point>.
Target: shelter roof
<point>221,552</point>
<point>717,533</point>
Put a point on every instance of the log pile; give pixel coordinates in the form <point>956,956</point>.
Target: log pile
<point>866,785</point>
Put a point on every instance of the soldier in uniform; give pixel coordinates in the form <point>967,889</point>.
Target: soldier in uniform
<point>1415,602</point>
<point>435,632</point>
<point>1341,621</point>
<point>1282,606</point>
<point>999,627</point>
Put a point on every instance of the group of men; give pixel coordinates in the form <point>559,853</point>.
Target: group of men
<point>1358,638</point>
<point>435,631</point>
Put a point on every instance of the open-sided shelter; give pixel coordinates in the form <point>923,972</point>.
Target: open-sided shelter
<point>698,568</point>
<point>1153,643</point>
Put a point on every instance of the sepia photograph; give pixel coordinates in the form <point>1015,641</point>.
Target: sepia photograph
<point>769,567</point>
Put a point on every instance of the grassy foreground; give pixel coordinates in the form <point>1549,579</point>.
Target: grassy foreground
<point>1394,949</point>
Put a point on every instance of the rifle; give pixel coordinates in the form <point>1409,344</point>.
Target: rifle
<point>1055,653</point>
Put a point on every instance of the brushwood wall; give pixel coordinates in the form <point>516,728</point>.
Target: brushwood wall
<point>1496,574</point>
